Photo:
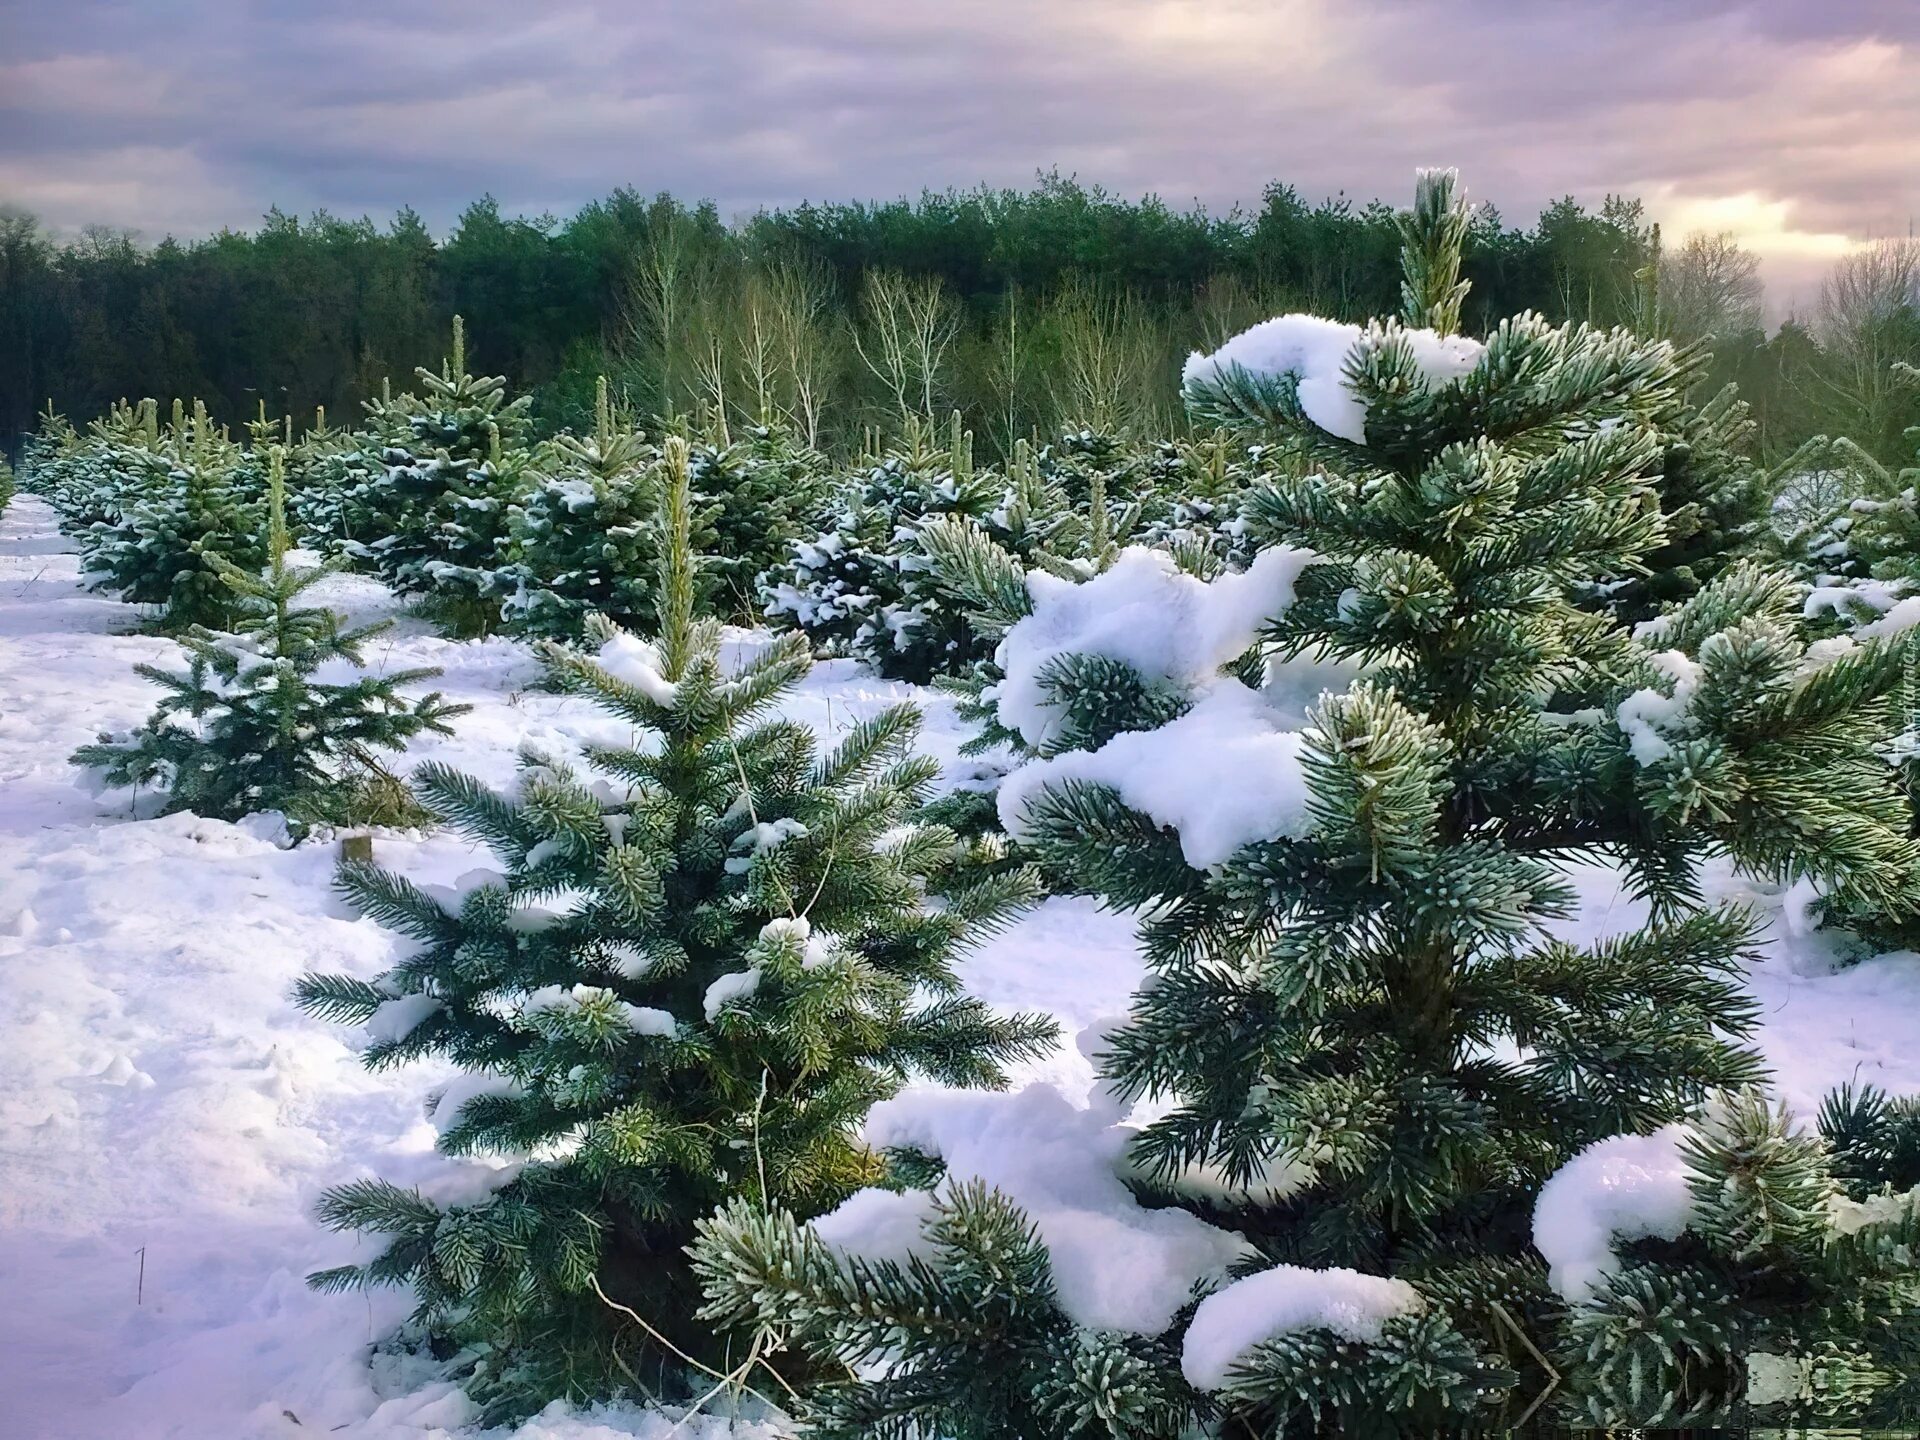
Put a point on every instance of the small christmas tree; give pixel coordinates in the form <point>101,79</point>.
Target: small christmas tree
<point>335,479</point>
<point>753,498</point>
<point>437,518</point>
<point>693,977</point>
<point>582,538</point>
<point>858,589</point>
<point>78,475</point>
<point>1377,1050</point>
<point>181,510</point>
<point>281,714</point>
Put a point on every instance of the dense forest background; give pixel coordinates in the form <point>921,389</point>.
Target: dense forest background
<point>1026,310</point>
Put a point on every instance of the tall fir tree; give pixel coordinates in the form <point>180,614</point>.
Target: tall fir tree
<point>1379,1050</point>
<point>693,975</point>
<point>281,714</point>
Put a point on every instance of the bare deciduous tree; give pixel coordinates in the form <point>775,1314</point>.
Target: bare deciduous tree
<point>908,325</point>
<point>1868,325</point>
<point>1710,287</point>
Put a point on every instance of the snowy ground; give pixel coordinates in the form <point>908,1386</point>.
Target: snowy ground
<point>166,1117</point>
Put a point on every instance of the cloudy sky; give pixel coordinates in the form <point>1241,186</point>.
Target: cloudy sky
<point>1795,123</point>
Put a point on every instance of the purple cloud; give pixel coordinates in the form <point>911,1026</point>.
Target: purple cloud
<point>1795,124</point>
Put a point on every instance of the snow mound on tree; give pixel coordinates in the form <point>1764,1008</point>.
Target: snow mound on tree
<point>638,663</point>
<point>1650,719</point>
<point>1231,1322</point>
<point>1224,775</point>
<point>1116,1266</point>
<point>1145,612</point>
<point>1626,1187</point>
<point>1317,353</point>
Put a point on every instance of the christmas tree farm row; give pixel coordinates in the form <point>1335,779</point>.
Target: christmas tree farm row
<point>1332,699</point>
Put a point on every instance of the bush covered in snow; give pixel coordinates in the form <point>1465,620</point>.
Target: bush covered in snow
<point>175,506</point>
<point>436,512</point>
<point>857,588</point>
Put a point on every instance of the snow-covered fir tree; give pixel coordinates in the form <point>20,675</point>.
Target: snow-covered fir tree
<point>436,515</point>
<point>858,588</point>
<point>334,479</point>
<point>174,510</point>
<point>582,538</point>
<point>79,475</point>
<point>282,714</point>
<point>1389,1079</point>
<point>754,497</point>
<point>702,960</point>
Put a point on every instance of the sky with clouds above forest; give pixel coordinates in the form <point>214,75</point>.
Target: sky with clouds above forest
<point>1794,124</point>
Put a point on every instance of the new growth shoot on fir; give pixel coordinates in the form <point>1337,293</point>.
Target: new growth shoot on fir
<point>699,964</point>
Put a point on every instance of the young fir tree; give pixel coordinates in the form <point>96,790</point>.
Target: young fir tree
<point>279,715</point>
<point>859,589</point>
<point>182,510</point>
<point>45,454</point>
<point>82,476</point>
<point>582,539</point>
<point>437,516</point>
<point>753,498</point>
<point>1716,502</point>
<point>1377,1048</point>
<point>694,974</point>
<point>338,499</point>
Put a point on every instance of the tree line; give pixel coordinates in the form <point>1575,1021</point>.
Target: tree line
<point>1027,310</point>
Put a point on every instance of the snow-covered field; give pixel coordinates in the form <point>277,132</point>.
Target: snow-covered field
<point>167,1117</point>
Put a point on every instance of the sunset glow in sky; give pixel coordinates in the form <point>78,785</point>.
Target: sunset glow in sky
<point>1795,125</point>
